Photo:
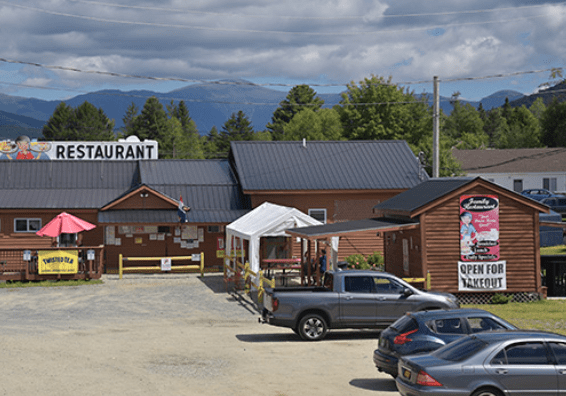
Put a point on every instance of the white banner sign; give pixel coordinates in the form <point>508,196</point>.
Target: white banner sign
<point>482,276</point>
<point>165,264</point>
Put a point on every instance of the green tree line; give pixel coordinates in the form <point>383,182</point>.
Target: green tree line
<point>372,109</point>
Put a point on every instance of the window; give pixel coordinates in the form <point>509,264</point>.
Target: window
<point>559,350</point>
<point>27,225</point>
<point>483,324</point>
<point>549,183</point>
<point>528,353</point>
<point>358,284</point>
<point>214,229</point>
<point>319,214</point>
<point>518,185</point>
<point>384,285</point>
<point>449,326</point>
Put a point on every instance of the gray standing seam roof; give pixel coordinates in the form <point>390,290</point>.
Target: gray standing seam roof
<point>209,187</point>
<point>423,194</point>
<point>326,165</point>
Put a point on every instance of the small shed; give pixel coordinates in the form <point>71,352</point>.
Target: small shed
<point>475,238</point>
<point>267,220</point>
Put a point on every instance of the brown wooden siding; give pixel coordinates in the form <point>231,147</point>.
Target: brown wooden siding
<point>26,240</point>
<point>340,206</point>
<point>517,236</point>
<point>394,253</point>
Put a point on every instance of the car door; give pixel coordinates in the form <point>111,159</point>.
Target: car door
<point>391,302</point>
<point>358,302</point>
<point>559,351</point>
<point>524,369</point>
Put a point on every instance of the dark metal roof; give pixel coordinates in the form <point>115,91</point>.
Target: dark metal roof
<point>56,198</point>
<point>64,184</point>
<point>68,174</point>
<point>187,172</point>
<point>422,194</point>
<point>352,226</point>
<point>325,165</point>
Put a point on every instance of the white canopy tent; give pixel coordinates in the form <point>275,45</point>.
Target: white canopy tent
<point>267,220</point>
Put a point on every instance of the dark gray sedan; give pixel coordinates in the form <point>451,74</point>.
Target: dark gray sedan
<point>519,363</point>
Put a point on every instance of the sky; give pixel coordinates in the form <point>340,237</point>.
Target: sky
<point>56,49</point>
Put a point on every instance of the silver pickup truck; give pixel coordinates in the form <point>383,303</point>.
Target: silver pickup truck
<point>348,299</point>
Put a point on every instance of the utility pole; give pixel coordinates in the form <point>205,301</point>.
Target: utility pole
<point>435,129</point>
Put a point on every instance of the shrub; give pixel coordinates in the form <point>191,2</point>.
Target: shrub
<point>501,299</point>
<point>357,261</point>
<point>376,261</point>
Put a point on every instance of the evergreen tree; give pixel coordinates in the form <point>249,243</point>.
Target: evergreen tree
<point>299,98</point>
<point>129,120</point>
<point>85,123</point>
<point>209,145</point>
<point>238,127</point>
<point>553,123</point>
<point>57,127</point>
<point>153,124</point>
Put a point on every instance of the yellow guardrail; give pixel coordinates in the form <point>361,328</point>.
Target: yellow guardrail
<point>122,259</point>
<point>426,280</point>
<point>247,276</point>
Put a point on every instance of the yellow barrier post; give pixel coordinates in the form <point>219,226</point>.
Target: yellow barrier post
<point>202,264</point>
<point>120,266</point>
<point>428,280</point>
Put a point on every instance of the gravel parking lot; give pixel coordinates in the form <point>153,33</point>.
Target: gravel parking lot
<point>169,335</point>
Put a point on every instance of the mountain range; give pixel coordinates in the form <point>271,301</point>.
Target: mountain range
<point>209,104</point>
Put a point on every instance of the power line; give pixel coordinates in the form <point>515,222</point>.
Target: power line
<point>208,28</point>
<point>301,17</point>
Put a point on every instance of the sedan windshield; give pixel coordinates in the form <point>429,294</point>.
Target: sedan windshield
<point>460,350</point>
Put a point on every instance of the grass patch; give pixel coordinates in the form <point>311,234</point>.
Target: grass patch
<point>49,283</point>
<point>553,250</point>
<point>547,315</point>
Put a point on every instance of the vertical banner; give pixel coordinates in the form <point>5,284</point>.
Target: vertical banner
<point>479,228</point>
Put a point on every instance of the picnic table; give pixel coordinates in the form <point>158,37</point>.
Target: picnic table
<point>282,268</point>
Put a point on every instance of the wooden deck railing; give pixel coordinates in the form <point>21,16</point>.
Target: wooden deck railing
<point>23,264</point>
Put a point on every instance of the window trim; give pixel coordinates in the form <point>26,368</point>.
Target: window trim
<point>27,219</point>
<point>323,210</point>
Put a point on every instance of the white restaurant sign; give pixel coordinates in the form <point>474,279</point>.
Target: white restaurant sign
<point>482,276</point>
<point>124,149</point>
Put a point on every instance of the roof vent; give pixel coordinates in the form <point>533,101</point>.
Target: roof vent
<point>304,143</point>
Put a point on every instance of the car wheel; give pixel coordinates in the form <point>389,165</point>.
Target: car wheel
<point>312,327</point>
<point>486,392</point>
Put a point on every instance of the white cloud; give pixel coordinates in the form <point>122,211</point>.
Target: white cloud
<point>344,40</point>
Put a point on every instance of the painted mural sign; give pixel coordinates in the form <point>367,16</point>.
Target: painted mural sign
<point>479,228</point>
<point>479,268</point>
<point>125,149</point>
<point>482,276</point>
<point>58,261</point>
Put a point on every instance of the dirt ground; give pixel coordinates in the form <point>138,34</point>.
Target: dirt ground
<point>169,335</point>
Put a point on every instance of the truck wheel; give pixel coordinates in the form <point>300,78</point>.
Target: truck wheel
<point>312,327</point>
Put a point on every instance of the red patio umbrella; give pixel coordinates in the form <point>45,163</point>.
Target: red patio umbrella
<point>64,223</point>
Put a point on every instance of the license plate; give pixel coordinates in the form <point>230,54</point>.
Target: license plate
<point>406,373</point>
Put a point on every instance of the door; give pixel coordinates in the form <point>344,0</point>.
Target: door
<point>524,369</point>
<point>559,351</point>
<point>392,303</point>
<point>358,302</point>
